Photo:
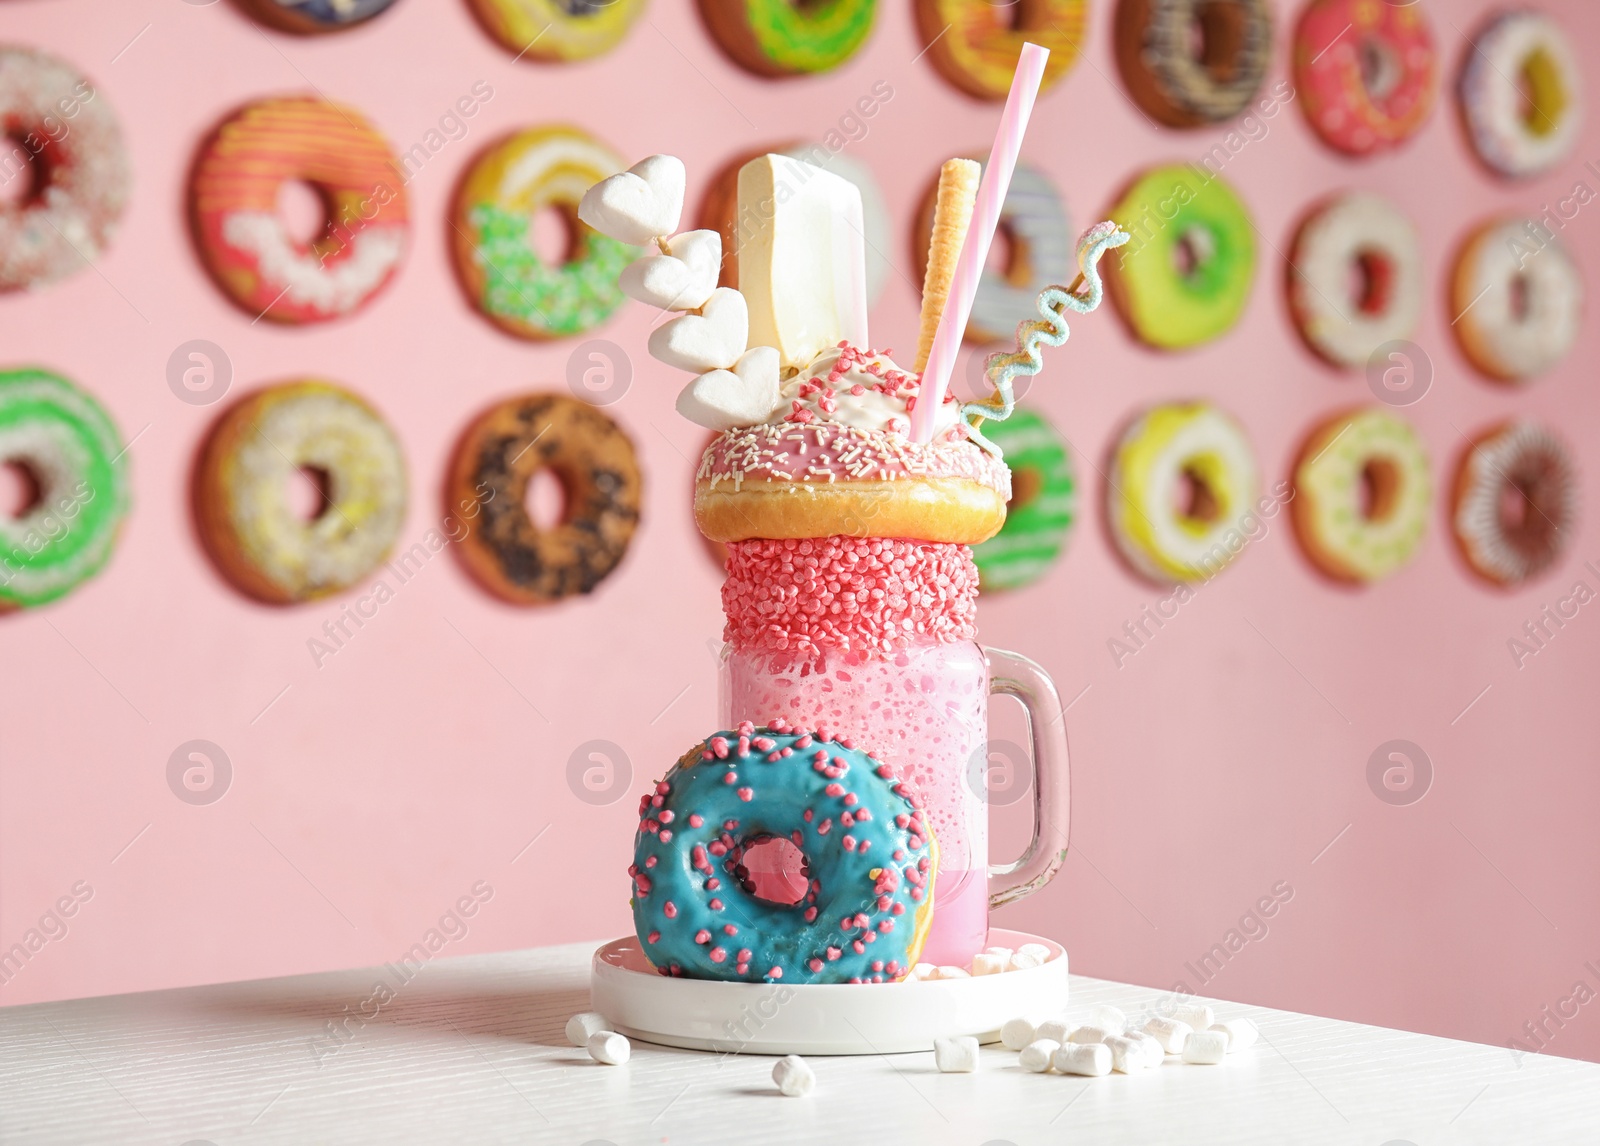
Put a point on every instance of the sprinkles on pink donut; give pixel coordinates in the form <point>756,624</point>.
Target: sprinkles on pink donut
<point>858,907</point>
<point>1367,72</point>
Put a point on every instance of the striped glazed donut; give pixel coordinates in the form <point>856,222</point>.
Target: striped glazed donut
<point>70,450</point>
<point>494,212</point>
<point>314,16</point>
<point>1033,221</point>
<point>975,44</point>
<point>233,200</point>
<point>1172,82</point>
<point>1516,502</point>
<point>241,486</point>
<point>79,170</point>
<point>1044,502</point>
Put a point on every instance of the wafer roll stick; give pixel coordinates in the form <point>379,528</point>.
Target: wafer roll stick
<point>952,213</point>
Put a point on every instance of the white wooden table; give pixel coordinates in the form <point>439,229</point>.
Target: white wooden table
<point>472,1051</point>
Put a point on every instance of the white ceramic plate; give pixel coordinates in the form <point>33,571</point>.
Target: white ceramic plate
<point>776,1018</point>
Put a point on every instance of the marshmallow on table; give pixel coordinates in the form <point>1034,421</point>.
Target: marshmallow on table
<point>581,1026</point>
<point>1057,1029</point>
<point>1197,1015</point>
<point>1170,1033</point>
<point>1092,1059</point>
<point>609,1047</point>
<point>1127,1055</point>
<point>957,1055</point>
<point>1205,1047</point>
<point>794,1076</point>
<point>1154,1053</point>
<point>1038,1055</point>
<point>1241,1033</point>
<point>1018,1033</point>
<point>638,205</point>
<point>1089,1035</point>
<point>986,964</point>
<point>1108,1018</point>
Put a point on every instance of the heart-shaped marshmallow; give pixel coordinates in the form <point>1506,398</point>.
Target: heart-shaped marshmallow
<point>743,396</point>
<point>637,205</point>
<point>682,280</point>
<point>710,340</point>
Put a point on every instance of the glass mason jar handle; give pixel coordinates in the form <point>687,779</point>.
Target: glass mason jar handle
<point>1013,675</point>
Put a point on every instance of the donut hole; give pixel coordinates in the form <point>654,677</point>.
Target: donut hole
<point>553,234</point>
<point>773,870</point>
<point>310,492</point>
<point>1371,281</point>
<point>21,491</point>
<point>1381,69</point>
<point>545,499</point>
<point>1194,248</point>
<point>22,174</point>
<point>1010,15</point>
<point>304,211</point>
<point>1541,98</point>
<point>1194,497</point>
<point>1379,489</point>
<point>1009,256</point>
<point>1517,297</point>
<point>1515,509</point>
<point>1026,485</point>
<point>1216,35</point>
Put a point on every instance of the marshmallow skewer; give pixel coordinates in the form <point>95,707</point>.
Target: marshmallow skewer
<point>952,215</point>
<point>975,251</point>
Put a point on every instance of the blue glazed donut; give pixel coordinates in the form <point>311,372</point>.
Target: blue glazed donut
<point>868,857</point>
<point>318,15</point>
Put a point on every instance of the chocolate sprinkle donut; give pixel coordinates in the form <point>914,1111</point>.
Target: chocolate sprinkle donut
<point>500,452</point>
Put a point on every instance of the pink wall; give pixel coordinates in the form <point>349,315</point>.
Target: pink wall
<point>421,759</point>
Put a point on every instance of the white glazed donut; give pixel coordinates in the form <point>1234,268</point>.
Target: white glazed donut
<point>1034,220</point>
<point>1518,296</point>
<point>1365,232</point>
<point>874,210</point>
<point>1521,94</point>
<point>1167,448</point>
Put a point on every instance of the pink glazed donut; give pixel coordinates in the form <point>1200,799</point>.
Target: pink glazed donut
<point>1367,72</point>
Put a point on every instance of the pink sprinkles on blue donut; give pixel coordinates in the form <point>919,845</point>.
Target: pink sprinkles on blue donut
<point>869,862</point>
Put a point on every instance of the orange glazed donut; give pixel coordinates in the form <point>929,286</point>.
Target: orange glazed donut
<point>234,209</point>
<point>975,44</point>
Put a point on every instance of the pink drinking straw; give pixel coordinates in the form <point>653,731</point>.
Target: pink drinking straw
<point>975,251</point>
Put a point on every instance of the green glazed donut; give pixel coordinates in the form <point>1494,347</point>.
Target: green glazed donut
<point>71,450</point>
<point>1185,276</point>
<point>784,38</point>
<point>1044,503</point>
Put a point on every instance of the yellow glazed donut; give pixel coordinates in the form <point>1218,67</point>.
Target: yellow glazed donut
<point>559,30</point>
<point>494,212</point>
<point>975,44</point>
<point>1183,480</point>
<point>241,488</point>
<point>1362,489</point>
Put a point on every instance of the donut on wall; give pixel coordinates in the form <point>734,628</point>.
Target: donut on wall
<point>68,449</point>
<point>1521,94</point>
<point>65,143</point>
<point>1183,480</point>
<point>782,38</point>
<point>558,31</point>
<point>1185,276</point>
<point>1039,251</point>
<point>1367,72</point>
<point>975,44</point>
<point>1363,238</point>
<point>543,167</point>
<point>1044,502</point>
<point>1516,502</point>
<point>1516,299</point>
<point>311,17</point>
<point>505,550</point>
<point>1185,83</point>
<point>233,201</point>
<point>1362,492</point>
<point>242,483</point>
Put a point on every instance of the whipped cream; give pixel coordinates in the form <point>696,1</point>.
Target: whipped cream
<point>865,390</point>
